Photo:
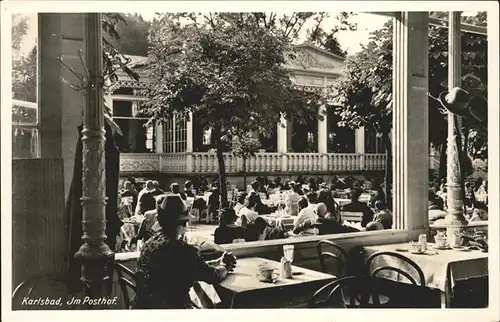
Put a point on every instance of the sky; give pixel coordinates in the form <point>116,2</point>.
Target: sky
<point>349,40</point>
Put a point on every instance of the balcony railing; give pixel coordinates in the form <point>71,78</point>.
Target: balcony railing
<point>268,162</point>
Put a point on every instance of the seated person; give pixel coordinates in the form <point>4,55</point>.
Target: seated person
<point>292,203</point>
<point>157,190</point>
<point>479,213</point>
<point>329,224</point>
<point>379,196</point>
<point>324,196</point>
<point>374,225</point>
<point>146,200</point>
<point>435,208</point>
<point>383,215</point>
<point>248,214</point>
<point>214,203</point>
<point>357,206</point>
<point>482,192</point>
<point>240,202</point>
<point>261,208</point>
<point>255,230</point>
<point>175,188</point>
<point>297,188</point>
<point>261,230</point>
<point>188,189</point>
<point>129,191</point>
<point>308,213</point>
<point>227,231</point>
<point>469,195</point>
<point>168,267</point>
<point>148,228</point>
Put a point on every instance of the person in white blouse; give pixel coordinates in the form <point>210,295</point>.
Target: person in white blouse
<point>248,214</point>
<point>240,202</point>
<point>308,213</point>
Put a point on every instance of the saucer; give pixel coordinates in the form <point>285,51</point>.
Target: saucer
<point>441,247</point>
<point>461,248</point>
<point>416,252</point>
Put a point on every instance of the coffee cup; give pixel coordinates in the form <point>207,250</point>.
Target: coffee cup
<point>267,274</point>
<point>415,247</point>
<point>440,241</point>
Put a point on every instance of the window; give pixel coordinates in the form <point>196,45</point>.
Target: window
<point>304,136</point>
<point>373,142</point>
<point>175,135</point>
<point>25,114</point>
<point>340,139</point>
<point>138,137</point>
<point>269,141</point>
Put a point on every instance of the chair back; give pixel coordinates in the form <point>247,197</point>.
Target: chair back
<point>346,292</point>
<point>408,263</point>
<point>127,280</point>
<point>352,216</point>
<point>335,253</point>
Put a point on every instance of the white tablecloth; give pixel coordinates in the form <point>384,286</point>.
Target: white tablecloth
<point>441,267</point>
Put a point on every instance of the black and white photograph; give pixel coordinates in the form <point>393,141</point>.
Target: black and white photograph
<point>301,155</point>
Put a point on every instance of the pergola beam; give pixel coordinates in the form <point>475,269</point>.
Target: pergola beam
<point>443,23</point>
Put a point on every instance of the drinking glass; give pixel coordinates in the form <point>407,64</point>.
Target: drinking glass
<point>288,252</point>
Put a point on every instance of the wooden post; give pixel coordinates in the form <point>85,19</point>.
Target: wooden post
<point>410,125</point>
<point>454,180</point>
<point>97,259</point>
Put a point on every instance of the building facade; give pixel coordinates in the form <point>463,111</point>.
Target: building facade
<point>179,148</point>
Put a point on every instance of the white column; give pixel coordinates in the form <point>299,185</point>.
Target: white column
<point>189,133</point>
<point>359,145</point>
<point>283,141</point>
<point>159,137</point>
<point>411,144</point>
<point>323,132</point>
<point>189,145</point>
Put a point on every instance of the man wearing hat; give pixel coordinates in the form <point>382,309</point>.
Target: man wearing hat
<point>168,267</point>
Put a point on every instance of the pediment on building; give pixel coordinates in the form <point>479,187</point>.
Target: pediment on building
<point>309,64</point>
<point>311,58</point>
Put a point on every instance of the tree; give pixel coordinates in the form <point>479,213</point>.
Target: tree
<point>133,31</point>
<point>328,40</point>
<point>24,80</point>
<point>474,79</point>
<point>365,89</point>
<point>231,74</point>
<point>364,92</point>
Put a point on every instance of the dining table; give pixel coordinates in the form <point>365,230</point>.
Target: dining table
<point>243,289</point>
<point>276,220</point>
<point>442,268</point>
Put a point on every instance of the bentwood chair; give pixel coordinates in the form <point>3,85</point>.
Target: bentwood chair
<point>414,292</point>
<point>346,292</point>
<point>127,280</point>
<point>335,253</point>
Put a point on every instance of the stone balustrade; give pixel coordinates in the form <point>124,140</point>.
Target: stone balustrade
<point>267,162</point>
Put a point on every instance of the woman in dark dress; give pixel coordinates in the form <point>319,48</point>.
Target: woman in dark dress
<point>168,266</point>
<point>227,231</point>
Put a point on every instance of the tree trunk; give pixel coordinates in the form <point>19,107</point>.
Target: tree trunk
<point>222,168</point>
<point>388,169</point>
<point>442,161</point>
<point>245,173</point>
